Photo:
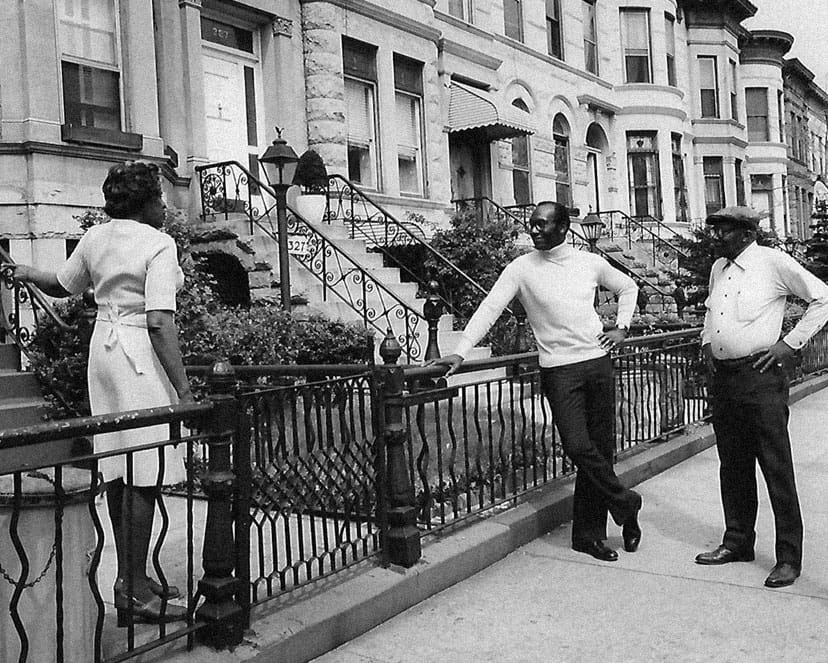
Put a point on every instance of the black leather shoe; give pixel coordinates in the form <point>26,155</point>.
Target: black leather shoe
<point>724,555</point>
<point>631,533</point>
<point>782,575</point>
<point>595,548</point>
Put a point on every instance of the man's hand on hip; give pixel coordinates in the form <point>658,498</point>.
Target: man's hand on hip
<point>707,357</point>
<point>780,354</point>
<point>612,337</point>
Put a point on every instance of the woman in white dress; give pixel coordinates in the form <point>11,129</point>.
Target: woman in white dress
<point>134,363</point>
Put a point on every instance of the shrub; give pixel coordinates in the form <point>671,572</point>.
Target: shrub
<point>311,173</point>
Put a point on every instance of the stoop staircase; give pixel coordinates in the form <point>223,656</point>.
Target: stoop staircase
<point>336,270</point>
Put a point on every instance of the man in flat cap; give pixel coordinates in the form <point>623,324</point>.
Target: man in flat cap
<point>749,365</point>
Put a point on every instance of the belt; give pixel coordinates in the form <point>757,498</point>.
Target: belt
<point>739,361</point>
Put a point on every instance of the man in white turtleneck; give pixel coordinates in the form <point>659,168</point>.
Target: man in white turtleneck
<point>556,284</point>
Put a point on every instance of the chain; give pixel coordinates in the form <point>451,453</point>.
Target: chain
<point>53,552</point>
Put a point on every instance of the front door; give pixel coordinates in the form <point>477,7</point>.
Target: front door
<point>470,172</point>
<point>232,107</point>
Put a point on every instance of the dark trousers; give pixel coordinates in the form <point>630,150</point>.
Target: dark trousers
<point>750,419</point>
<point>582,397</point>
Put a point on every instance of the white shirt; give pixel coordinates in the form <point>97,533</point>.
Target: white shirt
<point>746,303</point>
<point>557,289</point>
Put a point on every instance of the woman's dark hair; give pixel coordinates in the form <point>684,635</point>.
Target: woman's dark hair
<point>129,186</point>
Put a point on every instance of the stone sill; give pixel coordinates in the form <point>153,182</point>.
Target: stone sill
<point>72,133</point>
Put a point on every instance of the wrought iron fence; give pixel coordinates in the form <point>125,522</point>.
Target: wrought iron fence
<point>57,554</point>
<point>315,473</point>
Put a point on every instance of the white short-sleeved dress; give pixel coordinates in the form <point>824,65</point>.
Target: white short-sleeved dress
<point>134,269</point>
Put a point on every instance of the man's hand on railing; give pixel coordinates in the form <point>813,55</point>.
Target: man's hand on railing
<point>451,362</point>
<point>612,337</point>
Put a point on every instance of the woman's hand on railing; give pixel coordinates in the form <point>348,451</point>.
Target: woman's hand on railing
<point>15,271</point>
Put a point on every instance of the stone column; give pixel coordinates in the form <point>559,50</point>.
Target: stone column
<point>193,110</point>
<point>322,27</point>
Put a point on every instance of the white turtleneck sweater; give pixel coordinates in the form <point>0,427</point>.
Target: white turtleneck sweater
<point>557,289</point>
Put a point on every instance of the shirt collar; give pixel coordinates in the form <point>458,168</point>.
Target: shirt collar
<point>556,253</point>
<point>747,257</point>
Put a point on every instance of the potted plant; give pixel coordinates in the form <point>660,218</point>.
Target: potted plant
<point>312,178</point>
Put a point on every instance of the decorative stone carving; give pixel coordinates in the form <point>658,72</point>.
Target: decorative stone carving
<point>282,27</point>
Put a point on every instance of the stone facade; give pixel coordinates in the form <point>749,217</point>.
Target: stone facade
<point>645,114</point>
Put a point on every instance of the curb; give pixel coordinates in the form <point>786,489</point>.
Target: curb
<point>312,621</point>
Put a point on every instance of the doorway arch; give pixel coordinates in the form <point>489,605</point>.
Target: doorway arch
<point>596,149</point>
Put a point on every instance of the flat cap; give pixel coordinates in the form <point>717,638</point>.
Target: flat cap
<point>739,215</point>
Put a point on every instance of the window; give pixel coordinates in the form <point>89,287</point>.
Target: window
<point>635,37</point>
<point>670,46</point>
<point>762,199</point>
<point>756,105</point>
<point>714,197</point>
<point>563,184</point>
<point>590,36</point>
<point>462,9</point>
<point>90,66</point>
<point>740,182</point>
<point>408,84</point>
<point>359,67</point>
<point>734,107</point>
<point>642,163</point>
<point>521,166</point>
<point>708,86</point>
<point>679,180</point>
<point>513,19</point>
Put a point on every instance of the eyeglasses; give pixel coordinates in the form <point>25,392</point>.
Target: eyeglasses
<point>721,230</point>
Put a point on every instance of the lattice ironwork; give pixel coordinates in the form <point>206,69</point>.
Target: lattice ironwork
<point>314,477</point>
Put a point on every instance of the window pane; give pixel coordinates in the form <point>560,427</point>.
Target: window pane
<point>638,69</point>
<point>359,108</point>
<point>637,32</point>
<point>708,103</point>
<point>520,184</point>
<point>520,151</point>
<point>359,59</point>
<point>87,29</point>
<point>756,103</point>
<point>91,97</point>
<point>455,8</point>
<point>512,19</point>
<point>707,72</point>
<point>408,143</point>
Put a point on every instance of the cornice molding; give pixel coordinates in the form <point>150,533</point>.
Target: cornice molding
<point>90,153</point>
<point>560,64</point>
<point>653,110</point>
<point>720,140</point>
<point>382,15</point>
<point>470,54</point>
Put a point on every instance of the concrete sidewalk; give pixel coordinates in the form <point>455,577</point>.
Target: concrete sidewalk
<point>546,603</point>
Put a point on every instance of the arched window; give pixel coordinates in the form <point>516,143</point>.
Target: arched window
<point>521,163</point>
<point>563,186</point>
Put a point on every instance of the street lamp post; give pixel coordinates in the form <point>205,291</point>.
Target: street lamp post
<point>592,227</point>
<point>276,160</point>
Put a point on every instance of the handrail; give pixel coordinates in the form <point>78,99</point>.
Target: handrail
<point>632,220</point>
<point>343,191</point>
<point>10,321</point>
<point>353,284</point>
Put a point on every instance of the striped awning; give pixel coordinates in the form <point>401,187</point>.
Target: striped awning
<point>471,109</point>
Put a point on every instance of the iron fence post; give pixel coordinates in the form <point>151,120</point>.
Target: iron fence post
<point>432,310</point>
<point>224,616</point>
<point>401,542</point>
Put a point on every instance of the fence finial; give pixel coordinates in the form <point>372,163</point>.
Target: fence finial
<point>390,349</point>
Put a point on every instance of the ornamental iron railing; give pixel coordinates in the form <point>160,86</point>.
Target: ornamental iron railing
<point>228,188</point>
<point>368,220</point>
